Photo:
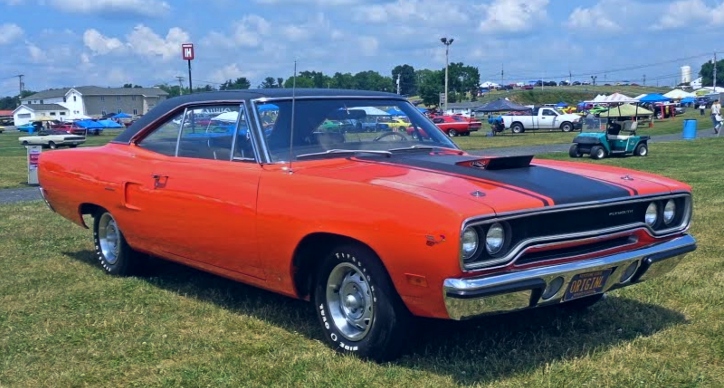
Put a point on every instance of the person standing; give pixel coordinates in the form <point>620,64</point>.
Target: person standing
<point>716,116</point>
<point>702,108</point>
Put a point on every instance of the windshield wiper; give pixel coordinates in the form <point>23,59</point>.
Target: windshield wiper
<point>417,148</point>
<point>337,152</point>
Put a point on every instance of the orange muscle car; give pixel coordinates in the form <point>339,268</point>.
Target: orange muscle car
<point>374,229</point>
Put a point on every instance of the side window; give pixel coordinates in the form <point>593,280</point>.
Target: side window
<point>208,132</point>
<point>243,149</point>
<point>163,139</point>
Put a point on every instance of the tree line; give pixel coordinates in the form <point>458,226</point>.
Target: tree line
<point>463,81</point>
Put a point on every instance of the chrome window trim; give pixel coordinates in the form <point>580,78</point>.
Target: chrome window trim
<point>321,97</point>
<point>243,108</point>
<point>516,251</point>
<point>263,155</point>
<point>180,131</point>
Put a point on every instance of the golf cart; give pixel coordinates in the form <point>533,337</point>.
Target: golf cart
<point>619,136</point>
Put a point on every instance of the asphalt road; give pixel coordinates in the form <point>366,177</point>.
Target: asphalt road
<point>24,194</point>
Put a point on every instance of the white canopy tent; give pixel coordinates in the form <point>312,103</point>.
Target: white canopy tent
<point>230,117</point>
<point>614,98</point>
<point>678,94</point>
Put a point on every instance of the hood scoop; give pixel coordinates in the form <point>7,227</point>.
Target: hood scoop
<point>498,162</point>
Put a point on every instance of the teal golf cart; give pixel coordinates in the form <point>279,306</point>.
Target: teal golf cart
<point>619,136</point>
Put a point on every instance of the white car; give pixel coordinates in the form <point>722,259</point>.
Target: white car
<point>52,140</point>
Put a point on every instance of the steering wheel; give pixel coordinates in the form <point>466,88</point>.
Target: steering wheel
<point>386,134</point>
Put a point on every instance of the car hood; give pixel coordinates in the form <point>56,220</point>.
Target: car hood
<point>501,183</point>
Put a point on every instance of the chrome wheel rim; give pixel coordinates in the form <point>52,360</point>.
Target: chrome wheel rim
<point>109,238</point>
<point>349,301</point>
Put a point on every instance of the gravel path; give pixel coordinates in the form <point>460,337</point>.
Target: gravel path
<point>32,194</point>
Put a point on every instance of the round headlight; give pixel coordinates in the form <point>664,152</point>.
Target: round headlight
<point>495,238</point>
<point>652,214</point>
<point>669,211</point>
<point>469,243</point>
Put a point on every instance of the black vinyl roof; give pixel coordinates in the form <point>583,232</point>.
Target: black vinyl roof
<point>239,95</point>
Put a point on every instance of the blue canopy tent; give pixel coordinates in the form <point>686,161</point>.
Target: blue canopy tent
<point>110,124</point>
<point>121,115</point>
<point>688,100</point>
<point>561,105</point>
<point>501,105</point>
<point>654,97</point>
<point>89,124</point>
<point>395,112</point>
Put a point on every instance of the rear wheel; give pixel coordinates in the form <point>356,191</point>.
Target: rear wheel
<point>452,132</point>
<point>52,145</point>
<point>642,149</point>
<point>597,152</point>
<point>112,251</point>
<point>357,305</point>
<point>517,128</point>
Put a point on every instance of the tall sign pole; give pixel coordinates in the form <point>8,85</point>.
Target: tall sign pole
<point>187,50</point>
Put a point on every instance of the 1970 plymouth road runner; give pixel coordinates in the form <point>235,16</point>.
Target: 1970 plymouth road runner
<point>372,228</point>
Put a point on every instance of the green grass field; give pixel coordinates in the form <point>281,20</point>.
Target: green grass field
<point>63,322</point>
<point>13,164</point>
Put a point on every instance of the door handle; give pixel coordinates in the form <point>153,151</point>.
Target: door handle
<point>159,180</point>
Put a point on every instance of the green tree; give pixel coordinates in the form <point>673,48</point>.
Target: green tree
<point>707,73</point>
<point>239,83</point>
<point>269,82</point>
<point>408,79</point>
<point>432,83</point>
<point>372,80</point>
<point>280,82</point>
<point>342,81</point>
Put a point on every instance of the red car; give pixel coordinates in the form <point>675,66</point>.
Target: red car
<point>456,125</point>
<point>69,128</point>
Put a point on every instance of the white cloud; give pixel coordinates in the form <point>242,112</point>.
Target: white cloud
<point>232,72</point>
<point>35,52</point>
<point>247,32</point>
<point>144,41</point>
<point>100,44</point>
<point>10,32</point>
<point>420,12</point>
<point>12,2</point>
<point>148,8</point>
<point>513,15</point>
<point>595,18</point>
<point>690,13</point>
<point>321,3</point>
<point>368,45</point>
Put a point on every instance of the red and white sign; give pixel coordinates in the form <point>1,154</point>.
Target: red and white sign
<point>187,50</point>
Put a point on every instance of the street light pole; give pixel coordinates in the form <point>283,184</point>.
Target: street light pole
<point>447,42</point>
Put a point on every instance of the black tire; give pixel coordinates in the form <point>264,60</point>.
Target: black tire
<point>452,132</point>
<point>598,152</point>
<point>573,151</point>
<point>517,128</point>
<point>370,299</point>
<point>566,127</point>
<point>114,254</point>
<point>582,303</point>
<point>642,149</point>
<point>52,145</point>
<point>25,142</point>
<point>73,145</point>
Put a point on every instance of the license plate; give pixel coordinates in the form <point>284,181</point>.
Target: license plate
<point>585,284</point>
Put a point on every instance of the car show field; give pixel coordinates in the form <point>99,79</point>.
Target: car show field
<point>66,323</point>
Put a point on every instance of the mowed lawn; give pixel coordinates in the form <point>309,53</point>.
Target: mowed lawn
<point>63,322</point>
<point>14,171</point>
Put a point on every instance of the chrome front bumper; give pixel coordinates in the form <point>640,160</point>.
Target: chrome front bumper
<point>495,294</point>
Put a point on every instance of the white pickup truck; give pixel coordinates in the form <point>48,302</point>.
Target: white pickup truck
<point>543,118</point>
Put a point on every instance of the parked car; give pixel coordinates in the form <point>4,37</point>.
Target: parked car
<point>52,139</point>
<point>374,229</point>
<point>543,118</point>
<point>454,125</point>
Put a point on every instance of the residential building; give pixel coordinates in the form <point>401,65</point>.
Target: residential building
<point>89,101</point>
<point>28,113</point>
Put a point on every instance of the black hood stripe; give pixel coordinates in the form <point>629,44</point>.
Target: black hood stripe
<point>559,186</point>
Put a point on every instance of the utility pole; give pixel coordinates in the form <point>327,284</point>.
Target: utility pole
<point>644,80</point>
<point>447,42</point>
<point>398,83</point>
<point>21,85</point>
<point>180,84</point>
<point>714,78</point>
<point>502,74</point>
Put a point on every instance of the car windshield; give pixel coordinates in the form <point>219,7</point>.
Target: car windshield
<point>340,126</point>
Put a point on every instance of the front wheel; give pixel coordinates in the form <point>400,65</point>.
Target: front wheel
<point>452,132</point>
<point>566,127</point>
<point>574,152</point>
<point>357,305</point>
<point>642,149</point>
<point>52,145</point>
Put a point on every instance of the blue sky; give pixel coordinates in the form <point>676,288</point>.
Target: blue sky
<point>58,43</point>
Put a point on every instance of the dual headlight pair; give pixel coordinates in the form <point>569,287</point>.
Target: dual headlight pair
<point>495,238</point>
<point>653,216</point>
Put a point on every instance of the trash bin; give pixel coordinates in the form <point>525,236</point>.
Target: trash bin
<point>689,129</point>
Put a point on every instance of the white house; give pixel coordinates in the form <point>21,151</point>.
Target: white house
<point>28,113</point>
